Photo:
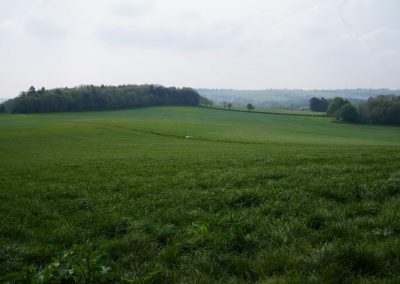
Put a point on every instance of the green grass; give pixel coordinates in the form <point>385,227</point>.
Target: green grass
<point>247,198</point>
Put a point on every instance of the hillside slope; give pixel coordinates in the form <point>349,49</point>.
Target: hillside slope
<point>188,194</point>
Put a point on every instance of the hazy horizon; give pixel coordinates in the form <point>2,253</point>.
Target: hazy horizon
<point>245,45</point>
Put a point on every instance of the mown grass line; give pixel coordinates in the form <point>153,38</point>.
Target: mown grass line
<point>167,135</point>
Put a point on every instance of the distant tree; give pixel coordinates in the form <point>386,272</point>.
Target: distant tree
<point>381,110</point>
<point>335,104</point>
<point>41,91</point>
<point>320,105</point>
<point>250,107</point>
<point>347,113</point>
<point>314,103</point>
<point>225,104</point>
<point>31,91</point>
<point>229,105</point>
<point>2,108</point>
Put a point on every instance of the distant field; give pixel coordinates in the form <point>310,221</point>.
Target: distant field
<point>288,111</point>
<point>286,98</point>
<point>276,110</point>
<point>196,195</point>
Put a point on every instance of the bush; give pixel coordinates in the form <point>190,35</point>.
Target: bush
<point>347,113</point>
<point>335,104</point>
<point>206,102</point>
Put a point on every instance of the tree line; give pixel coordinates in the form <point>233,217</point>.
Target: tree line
<point>91,98</point>
<point>383,109</point>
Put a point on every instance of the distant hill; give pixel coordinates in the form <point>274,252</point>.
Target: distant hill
<point>93,98</point>
<point>287,98</point>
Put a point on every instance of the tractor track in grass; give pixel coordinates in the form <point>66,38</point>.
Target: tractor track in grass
<point>167,135</point>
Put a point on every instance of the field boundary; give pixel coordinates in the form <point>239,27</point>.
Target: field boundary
<point>267,112</point>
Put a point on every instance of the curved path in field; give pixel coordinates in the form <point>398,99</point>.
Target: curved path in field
<point>167,135</point>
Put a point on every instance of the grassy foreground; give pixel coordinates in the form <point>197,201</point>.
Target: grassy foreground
<point>198,195</point>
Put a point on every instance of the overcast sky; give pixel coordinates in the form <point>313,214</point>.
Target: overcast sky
<point>247,44</point>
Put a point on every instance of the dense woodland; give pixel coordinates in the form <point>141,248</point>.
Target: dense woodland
<point>381,110</point>
<point>90,98</point>
<point>384,109</point>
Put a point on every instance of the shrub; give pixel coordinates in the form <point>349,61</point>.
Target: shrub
<point>335,104</point>
<point>347,113</point>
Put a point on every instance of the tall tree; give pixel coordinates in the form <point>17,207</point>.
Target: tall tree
<point>320,105</point>
<point>250,107</point>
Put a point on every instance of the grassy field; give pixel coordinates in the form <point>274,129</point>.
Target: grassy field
<point>195,195</point>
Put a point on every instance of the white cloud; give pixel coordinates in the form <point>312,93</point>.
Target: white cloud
<point>381,34</point>
<point>225,43</point>
<point>133,8</point>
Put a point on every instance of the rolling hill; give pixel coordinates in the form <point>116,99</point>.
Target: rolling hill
<point>190,194</point>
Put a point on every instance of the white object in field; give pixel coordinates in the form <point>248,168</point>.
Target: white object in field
<point>188,137</point>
